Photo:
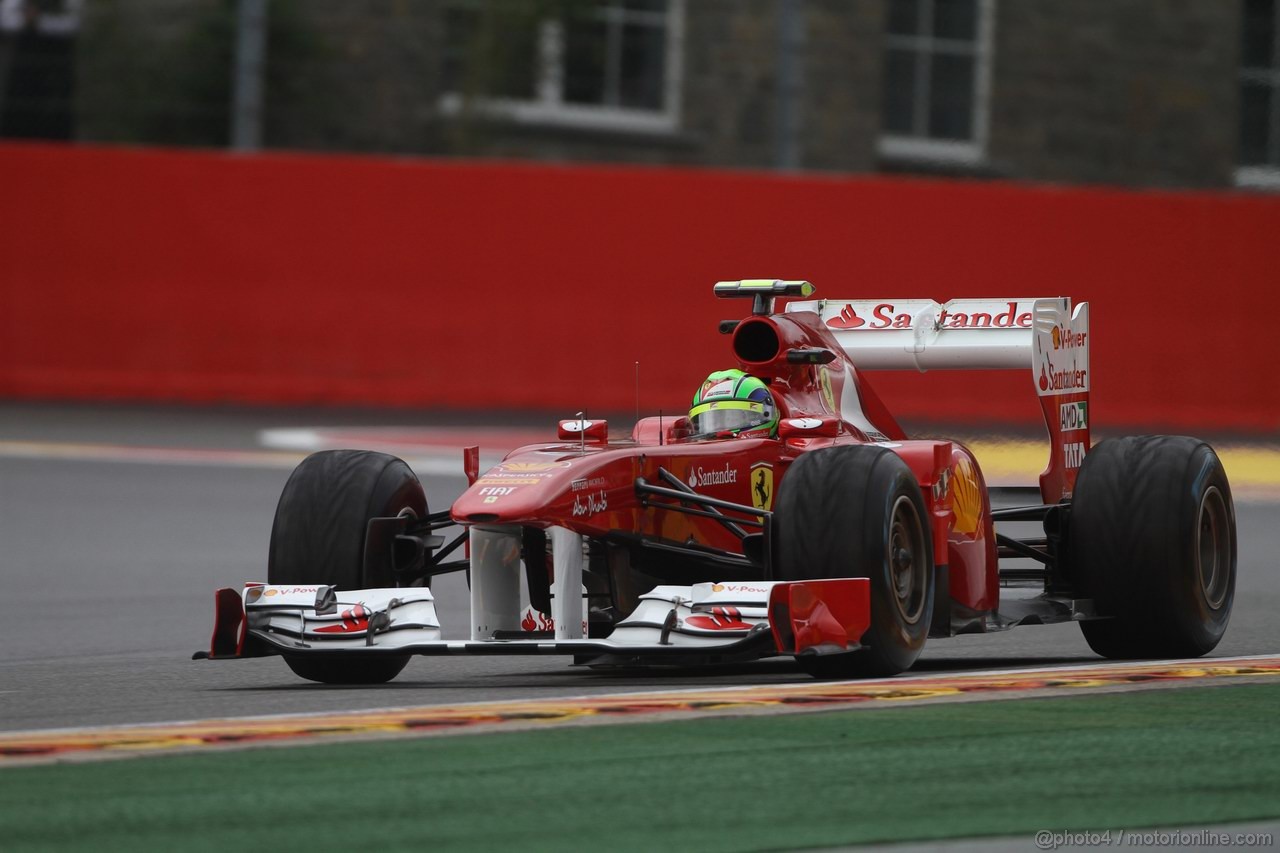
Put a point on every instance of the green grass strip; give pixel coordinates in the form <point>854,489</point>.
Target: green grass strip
<point>1164,757</point>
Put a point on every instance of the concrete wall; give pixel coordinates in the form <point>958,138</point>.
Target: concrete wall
<point>157,275</point>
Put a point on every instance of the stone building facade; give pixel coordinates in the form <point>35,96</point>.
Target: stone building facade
<point>1140,93</point>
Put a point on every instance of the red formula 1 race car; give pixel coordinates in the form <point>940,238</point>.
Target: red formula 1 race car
<point>788,514</point>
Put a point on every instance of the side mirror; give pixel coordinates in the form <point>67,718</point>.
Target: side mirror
<point>809,427</point>
<point>594,432</point>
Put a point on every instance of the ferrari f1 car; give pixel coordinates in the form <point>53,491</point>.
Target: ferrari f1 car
<point>833,537</point>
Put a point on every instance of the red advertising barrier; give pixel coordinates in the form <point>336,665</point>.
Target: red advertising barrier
<point>207,277</point>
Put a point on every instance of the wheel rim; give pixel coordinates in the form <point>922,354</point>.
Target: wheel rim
<point>907,552</point>
<point>1213,547</point>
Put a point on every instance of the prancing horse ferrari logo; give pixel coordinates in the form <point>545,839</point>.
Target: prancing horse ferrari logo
<point>762,486</point>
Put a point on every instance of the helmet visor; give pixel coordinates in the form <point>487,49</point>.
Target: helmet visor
<point>729,415</point>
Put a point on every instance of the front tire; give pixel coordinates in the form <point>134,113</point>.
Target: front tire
<point>1153,540</point>
<point>856,511</point>
<point>318,537</point>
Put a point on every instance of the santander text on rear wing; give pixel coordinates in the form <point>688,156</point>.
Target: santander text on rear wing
<point>1048,336</point>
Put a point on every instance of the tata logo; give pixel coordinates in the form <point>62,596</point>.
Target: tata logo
<point>1073,453</point>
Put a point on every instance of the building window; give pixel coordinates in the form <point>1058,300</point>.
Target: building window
<point>607,64</point>
<point>937,79</point>
<point>1259,152</point>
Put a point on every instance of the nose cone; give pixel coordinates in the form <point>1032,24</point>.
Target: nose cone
<point>549,487</point>
<point>515,489</point>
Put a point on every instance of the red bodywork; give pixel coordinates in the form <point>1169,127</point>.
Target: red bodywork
<point>588,485</point>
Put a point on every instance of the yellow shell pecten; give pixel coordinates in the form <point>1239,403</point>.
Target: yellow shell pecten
<point>966,496</point>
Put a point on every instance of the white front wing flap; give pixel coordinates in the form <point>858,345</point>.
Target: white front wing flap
<point>699,616</point>
<point>713,618</point>
<point>317,616</point>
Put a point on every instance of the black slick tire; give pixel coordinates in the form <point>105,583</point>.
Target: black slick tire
<point>857,512</point>
<point>1153,541</point>
<point>318,537</point>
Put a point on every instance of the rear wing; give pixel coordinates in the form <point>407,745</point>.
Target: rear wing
<point>963,334</point>
<point>1048,336</point>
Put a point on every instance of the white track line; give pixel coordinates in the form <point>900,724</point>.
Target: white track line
<point>699,691</point>
<point>440,464</point>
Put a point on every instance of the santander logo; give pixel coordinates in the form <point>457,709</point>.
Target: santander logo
<point>712,477</point>
<point>886,315</point>
<point>537,621</point>
<point>1062,380</point>
<point>848,319</point>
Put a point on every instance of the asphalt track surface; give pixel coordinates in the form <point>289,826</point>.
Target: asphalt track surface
<point>107,570</point>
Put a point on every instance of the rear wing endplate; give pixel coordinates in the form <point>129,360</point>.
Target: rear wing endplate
<point>1049,336</point>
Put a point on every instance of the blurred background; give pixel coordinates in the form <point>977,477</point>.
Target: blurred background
<point>546,189</point>
<point>1139,93</point>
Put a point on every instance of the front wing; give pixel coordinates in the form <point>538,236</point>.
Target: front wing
<point>708,622</point>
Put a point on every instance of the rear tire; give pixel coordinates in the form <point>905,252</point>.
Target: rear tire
<point>856,511</point>
<point>318,537</point>
<point>1153,541</point>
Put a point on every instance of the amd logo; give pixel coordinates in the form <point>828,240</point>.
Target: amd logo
<point>1073,416</point>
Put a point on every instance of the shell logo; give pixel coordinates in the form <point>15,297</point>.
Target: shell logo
<point>966,497</point>
<point>532,466</point>
<point>824,384</point>
<point>717,587</point>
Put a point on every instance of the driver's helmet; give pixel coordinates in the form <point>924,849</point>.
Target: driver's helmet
<point>731,401</point>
